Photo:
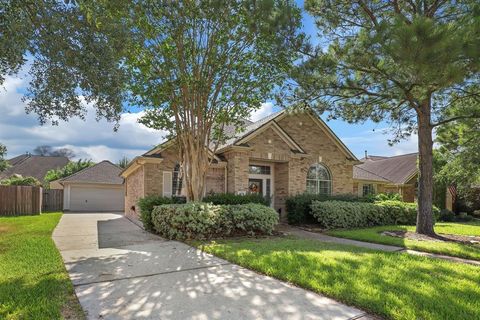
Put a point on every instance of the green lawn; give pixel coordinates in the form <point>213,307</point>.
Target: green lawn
<point>392,285</point>
<point>33,281</point>
<point>447,248</point>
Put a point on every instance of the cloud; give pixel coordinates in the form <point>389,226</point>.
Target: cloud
<point>88,139</point>
<point>376,143</point>
<point>266,109</point>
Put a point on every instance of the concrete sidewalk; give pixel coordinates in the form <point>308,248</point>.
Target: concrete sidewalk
<point>301,233</point>
<point>304,234</point>
<point>119,271</point>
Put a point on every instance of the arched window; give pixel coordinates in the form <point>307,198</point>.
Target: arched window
<point>319,180</point>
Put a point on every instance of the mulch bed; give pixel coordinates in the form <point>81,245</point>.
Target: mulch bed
<point>440,238</point>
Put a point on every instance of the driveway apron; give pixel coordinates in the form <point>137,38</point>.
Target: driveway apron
<point>120,271</point>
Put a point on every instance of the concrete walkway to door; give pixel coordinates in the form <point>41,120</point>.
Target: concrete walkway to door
<point>119,271</point>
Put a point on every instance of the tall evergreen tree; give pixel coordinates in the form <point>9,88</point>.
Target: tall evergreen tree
<point>400,61</point>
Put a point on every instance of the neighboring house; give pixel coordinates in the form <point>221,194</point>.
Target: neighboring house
<point>96,188</point>
<point>28,165</point>
<point>396,174</point>
<point>281,155</point>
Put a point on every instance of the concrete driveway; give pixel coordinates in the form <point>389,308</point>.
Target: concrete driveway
<point>119,271</point>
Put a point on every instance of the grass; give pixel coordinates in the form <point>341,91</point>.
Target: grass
<point>391,285</point>
<point>33,281</point>
<point>446,248</point>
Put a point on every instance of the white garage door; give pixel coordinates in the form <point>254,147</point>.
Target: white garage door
<point>96,198</point>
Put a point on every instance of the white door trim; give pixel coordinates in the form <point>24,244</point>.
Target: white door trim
<point>264,178</point>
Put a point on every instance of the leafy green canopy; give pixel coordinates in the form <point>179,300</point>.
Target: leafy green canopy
<point>459,148</point>
<point>18,180</point>
<point>69,169</point>
<point>198,65</point>
<point>72,60</point>
<point>388,60</point>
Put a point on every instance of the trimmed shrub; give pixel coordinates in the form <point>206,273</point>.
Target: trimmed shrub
<point>400,212</point>
<point>299,206</point>
<point>231,198</point>
<point>387,196</point>
<point>147,204</point>
<point>198,220</point>
<point>252,219</point>
<point>344,214</point>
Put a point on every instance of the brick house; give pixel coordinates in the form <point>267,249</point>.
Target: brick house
<point>281,155</point>
<point>378,174</point>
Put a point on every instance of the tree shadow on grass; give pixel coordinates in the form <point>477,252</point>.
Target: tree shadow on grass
<point>393,285</point>
<point>45,298</point>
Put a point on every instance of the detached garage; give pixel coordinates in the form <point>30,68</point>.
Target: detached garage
<point>98,188</point>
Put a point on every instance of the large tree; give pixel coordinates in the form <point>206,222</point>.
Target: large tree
<point>459,146</point>
<point>69,169</point>
<point>193,65</point>
<point>400,61</point>
<point>199,65</point>
<point>71,58</point>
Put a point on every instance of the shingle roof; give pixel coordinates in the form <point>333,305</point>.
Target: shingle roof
<point>397,169</point>
<point>103,172</point>
<point>33,166</point>
<point>249,128</point>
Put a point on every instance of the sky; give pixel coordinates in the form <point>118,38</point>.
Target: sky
<point>96,140</point>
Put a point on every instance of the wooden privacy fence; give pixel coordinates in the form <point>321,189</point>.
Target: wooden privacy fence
<point>20,200</point>
<point>52,200</point>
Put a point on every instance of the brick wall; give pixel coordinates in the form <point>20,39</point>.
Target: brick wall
<point>316,143</point>
<point>215,180</point>
<point>237,171</point>
<point>134,190</point>
<point>280,191</point>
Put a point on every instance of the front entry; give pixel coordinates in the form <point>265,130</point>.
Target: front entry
<point>260,180</point>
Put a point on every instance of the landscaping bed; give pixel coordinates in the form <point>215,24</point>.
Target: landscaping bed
<point>33,281</point>
<point>391,285</point>
<point>440,237</point>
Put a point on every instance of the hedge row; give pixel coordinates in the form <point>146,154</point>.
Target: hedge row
<point>344,214</point>
<point>147,204</point>
<point>198,220</point>
<point>231,198</point>
<point>299,206</point>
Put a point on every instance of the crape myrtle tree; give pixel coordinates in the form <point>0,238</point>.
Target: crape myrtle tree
<point>400,61</point>
<point>197,66</point>
<point>193,66</point>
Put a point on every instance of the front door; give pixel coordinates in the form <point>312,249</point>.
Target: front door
<point>260,180</point>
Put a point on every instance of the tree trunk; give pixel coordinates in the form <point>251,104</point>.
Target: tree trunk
<point>425,219</point>
<point>194,164</point>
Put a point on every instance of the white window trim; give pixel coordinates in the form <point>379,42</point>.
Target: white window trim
<point>319,180</point>
<point>167,183</point>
